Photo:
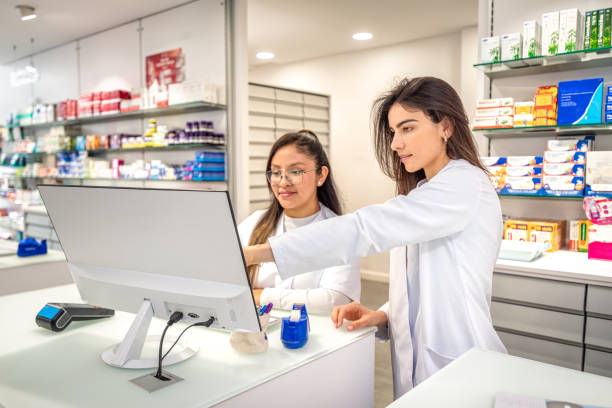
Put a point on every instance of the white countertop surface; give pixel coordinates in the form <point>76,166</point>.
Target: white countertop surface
<point>564,265</point>
<point>41,368</point>
<point>14,261</point>
<point>473,379</point>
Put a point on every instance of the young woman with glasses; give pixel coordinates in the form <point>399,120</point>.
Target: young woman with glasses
<point>443,228</point>
<point>302,192</point>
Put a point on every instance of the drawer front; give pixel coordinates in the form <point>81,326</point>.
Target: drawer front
<point>542,350</point>
<point>599,300</point>
<point>557,325</point>
<point>598,362</point>
<point>563,295</point>
<point>599,332</point>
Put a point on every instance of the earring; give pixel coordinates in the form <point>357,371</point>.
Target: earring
<point>445,138</point>
<point>319,184</point>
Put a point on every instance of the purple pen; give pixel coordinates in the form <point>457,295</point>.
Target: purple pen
<point>269,307</point>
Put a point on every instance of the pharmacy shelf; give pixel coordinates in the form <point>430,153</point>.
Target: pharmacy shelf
<point>219,183</point>
<point>543,197</point>
<point>187,146</point>
<point>547,131</point>
<point>591,58</point>
<point>199,106</point>
<point>565,265</point>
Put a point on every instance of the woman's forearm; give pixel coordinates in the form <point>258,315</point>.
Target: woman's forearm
<point>256,254</point>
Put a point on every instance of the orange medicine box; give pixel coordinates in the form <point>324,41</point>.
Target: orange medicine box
<point>516,230</point>
<point>548,231</point>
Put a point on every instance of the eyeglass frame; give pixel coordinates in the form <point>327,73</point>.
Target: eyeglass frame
<point>284,174</point>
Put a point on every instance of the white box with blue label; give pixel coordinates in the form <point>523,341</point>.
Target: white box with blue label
<point>580,102</point>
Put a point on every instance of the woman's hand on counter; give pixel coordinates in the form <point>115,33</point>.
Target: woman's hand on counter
<point>256,254</point>
<point>358,315</point>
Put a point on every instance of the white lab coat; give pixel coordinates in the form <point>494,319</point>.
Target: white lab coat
<point>344,278</point>
<point>445,237</point>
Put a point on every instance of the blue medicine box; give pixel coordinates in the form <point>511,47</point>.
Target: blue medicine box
<point>580,102</point>
<point>608,117</point>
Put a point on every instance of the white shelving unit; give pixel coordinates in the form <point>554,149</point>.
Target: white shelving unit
<point>556,308</point>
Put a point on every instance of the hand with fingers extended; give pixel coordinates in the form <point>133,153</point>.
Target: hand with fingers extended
<point>358,315</point>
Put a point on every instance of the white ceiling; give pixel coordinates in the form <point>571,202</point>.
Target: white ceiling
<point>292,29</point>
<point>303,29</point>
<point>60,21</point>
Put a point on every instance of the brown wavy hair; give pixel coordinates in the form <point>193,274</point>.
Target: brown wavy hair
<point>438,101</point>
<point>307,143</point>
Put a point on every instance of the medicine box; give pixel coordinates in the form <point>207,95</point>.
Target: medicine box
<point>522,185</point>
<point>571,144</point>
<point>608,117</point>
<point>532,39</point>
<point>563,169</point>
<point>511,46</point>
<point>523,171</point>
<point>599,171</point>
<point>603,27</point>
<point>493,161</point>
<point>489,49</point>
<point>580,101</point>
<point>550,33</point>
<point>571,31</point>
<point>563,183</point>
<point>514,161</point>
<point>565,157</point>
<point>497,171</point>
<point>484,123</point>
<point>521,108</point>
<point>590,29</point>
<point>600,242</point>
<point>552,232</point>
<point>516,230</point>
<point>579,235</point>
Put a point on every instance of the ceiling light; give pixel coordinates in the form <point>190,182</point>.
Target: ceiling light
<point>362,36</point>
<point>31,69</point>
<point>264,55</point>
<point>26,12</point>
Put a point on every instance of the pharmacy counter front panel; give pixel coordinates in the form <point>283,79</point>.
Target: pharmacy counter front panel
<point>473,379</point>
<point>32,272</point>
<point>44,368</point>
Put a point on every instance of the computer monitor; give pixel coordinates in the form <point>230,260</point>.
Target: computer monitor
<point>153,252</point>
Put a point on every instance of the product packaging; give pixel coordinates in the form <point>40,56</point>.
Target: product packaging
<point>580,101</point>
<point>590,29</point>
<point>565,157</point>
<point>515,161</point>
<point>522,185</point>
<point>563,185</point>
<point>570,144</point>
<point>523,171</point>
<point>497,171</point>
<point>516,230</point>
<point>550,33</point>
<point>489,49</point>
<point>563,169</point>
<point>552,232</point>
<point>532,39</point>
<point>599,173</point>
<point>493,161</point>
<point>603,27</point>
<point>523,120</point>
<point>511,46</point>
<point>571,31</point>
<point>600,242</point>
<point>523,108</point>
<point>579,235</point>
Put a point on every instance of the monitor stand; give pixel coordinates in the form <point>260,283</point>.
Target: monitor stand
<point>127,353</point>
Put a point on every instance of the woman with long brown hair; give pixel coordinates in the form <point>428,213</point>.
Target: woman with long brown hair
<point>302,192</point>
<point>444,229</point>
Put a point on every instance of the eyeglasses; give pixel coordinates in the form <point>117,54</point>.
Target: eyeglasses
<point>292,176</point>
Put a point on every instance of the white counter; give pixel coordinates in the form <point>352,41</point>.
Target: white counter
<point>33,272</point>
<point>561,265</point>
<point>472,380</point>
<point>44,368</point>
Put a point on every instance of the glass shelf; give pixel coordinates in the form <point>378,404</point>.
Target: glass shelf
<point>140,114</point>
<point>113,179</point>
<point>545,197</point>
<point>547,131</point>
<point>591,58</point>
<point>186,146</point>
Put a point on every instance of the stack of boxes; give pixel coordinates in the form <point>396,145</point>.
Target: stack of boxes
<point>545,106</point>
<point>546,231</point>
<point>560,172</point>
<point>597,28</point>
<point>494,113</point>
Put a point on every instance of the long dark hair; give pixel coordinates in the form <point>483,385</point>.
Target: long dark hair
<point>438,100</point>
<point>307,143</point>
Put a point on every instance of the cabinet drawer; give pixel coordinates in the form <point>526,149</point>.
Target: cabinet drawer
<point>557,325</point>
<point>37,219</point>
<point>599,300</point>
<point>598,332</point>
<point>552,293</point>
<point>542,350</point>
<point>598,362</point>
